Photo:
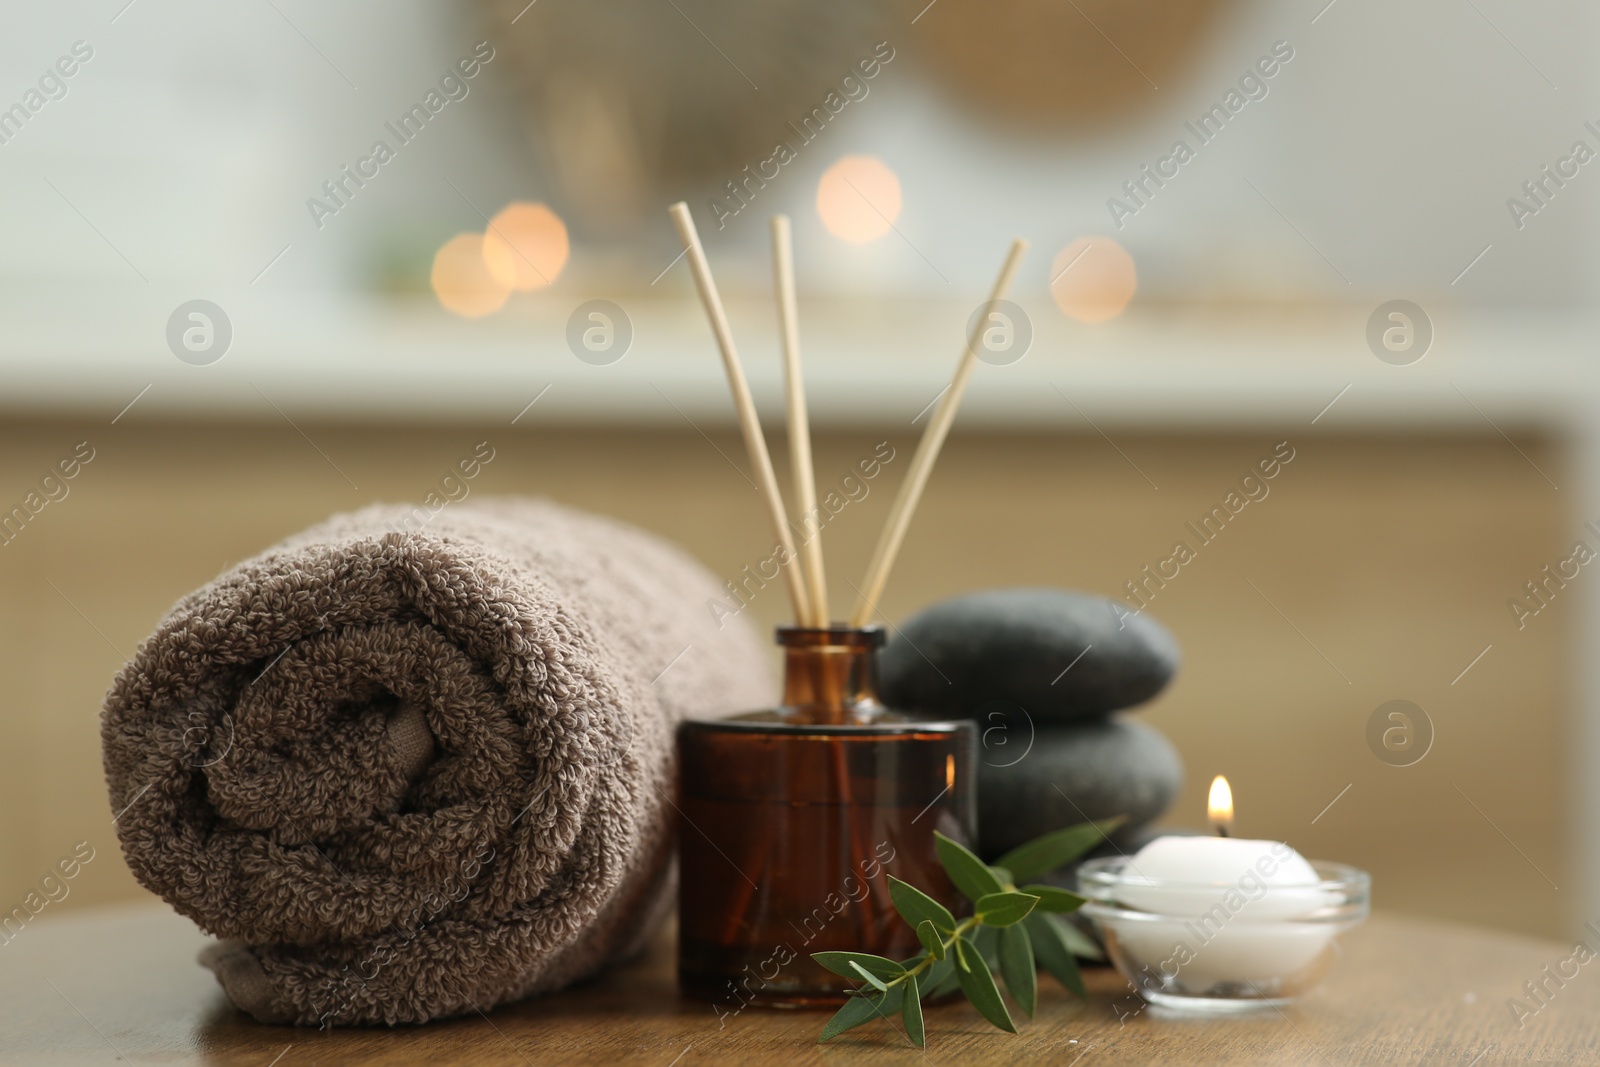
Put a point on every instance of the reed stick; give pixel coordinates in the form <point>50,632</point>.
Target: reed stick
<point>905,502</point>
<point>749,425</point>
<point>802,472</point>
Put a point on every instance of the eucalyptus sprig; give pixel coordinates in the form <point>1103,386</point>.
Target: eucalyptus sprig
<point>1016,927</point>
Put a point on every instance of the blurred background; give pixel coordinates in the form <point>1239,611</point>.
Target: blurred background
<point>251,315</point>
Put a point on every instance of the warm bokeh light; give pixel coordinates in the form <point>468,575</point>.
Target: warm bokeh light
<point>461,278</point>
<point>1092,279</point>
<point>858,199</point>
<point>526,246</point>
<point>1219,806</point>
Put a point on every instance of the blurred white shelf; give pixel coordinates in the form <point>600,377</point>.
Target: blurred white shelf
<point>869,364</point>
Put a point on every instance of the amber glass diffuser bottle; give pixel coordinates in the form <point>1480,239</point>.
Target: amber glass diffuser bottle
<point>792,820</point>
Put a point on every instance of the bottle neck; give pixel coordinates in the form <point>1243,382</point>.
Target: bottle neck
<point>830,676</point>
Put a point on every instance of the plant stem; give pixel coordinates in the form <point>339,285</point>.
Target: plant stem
<point>927,957</point>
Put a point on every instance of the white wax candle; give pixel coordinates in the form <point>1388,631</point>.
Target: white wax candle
<point>1227,910</point>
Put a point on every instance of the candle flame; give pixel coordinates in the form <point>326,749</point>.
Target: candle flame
<point>949,772</point>
<point>1220,805</point>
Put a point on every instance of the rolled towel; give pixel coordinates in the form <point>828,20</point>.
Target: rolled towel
<point>408,772</point>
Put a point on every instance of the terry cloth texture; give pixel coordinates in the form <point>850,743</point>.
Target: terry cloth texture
<point>410,773</point>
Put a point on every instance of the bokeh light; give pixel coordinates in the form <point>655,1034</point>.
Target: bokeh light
<point>461,278</point>
<point>858,199</point>
<point>1092,279</point>
<point>526,246</point>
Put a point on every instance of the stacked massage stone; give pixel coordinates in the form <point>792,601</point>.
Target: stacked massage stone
<point>1044,673</point>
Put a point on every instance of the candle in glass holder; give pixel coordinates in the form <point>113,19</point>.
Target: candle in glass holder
<point>1221,919</point>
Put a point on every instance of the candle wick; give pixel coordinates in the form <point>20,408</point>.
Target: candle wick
<point>1222,830</point>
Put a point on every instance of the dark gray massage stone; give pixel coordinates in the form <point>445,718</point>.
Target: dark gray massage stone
<point>1062,656</point>
<point>1071,774</point>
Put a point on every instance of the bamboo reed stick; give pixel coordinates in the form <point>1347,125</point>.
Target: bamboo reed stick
<point>905,502</point>
<point>805,482</point>
<point>749,425</point>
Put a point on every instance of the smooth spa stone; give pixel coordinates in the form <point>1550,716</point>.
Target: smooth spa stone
<point>1055,655</point>
<point>1072,774</point>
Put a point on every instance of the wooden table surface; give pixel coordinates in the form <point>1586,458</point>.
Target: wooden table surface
<point>96,986</point>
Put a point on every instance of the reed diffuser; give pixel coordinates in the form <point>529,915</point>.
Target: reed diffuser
<point>792,819</point>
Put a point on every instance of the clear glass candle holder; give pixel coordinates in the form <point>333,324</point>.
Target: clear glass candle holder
<point>793,819</point>
<point>1221,947</point>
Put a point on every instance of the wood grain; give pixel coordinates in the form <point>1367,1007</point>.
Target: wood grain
<point>88,987</point>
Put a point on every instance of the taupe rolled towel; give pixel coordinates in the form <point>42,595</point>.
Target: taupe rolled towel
<point>410,771</point>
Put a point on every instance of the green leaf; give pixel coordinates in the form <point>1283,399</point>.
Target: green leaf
<point>986,939</point>
<point>858,1010</point>
<point>967,872</point>
<point>1081,944</point>
<point>1016,964</point>
<point>1045,854</point>
<point>1005,909</point>
<point>978,984</point>
<point>940,978</point>
<point>1053,899</point>
<point>871,979</point>
<point>929,936</point>
<point>912,1013</point>
<point>1052,951</point>
<point>1003,876</point>
<point>840,963</point>
<point>916,907</point>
